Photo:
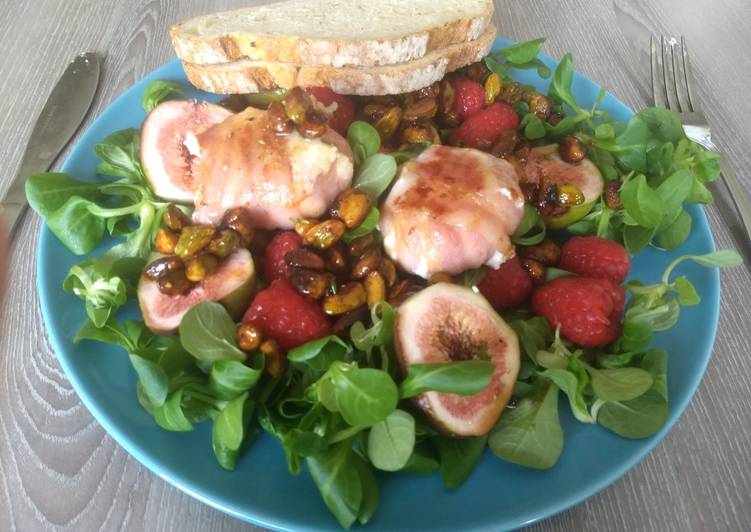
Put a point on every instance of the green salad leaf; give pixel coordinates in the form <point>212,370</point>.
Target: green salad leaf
<point>375,174</point>
<point>208,333</point>
<point>367,226</point>
<point>458,458</point>
<point>462,378</point>
<point>391,441</point>
<point>157,91</point>
<point>530,434</point>
<point>228,431</point>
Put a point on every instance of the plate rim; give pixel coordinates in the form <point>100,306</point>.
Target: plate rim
<point>259,517</point>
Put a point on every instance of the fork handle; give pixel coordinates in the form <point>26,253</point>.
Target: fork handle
<point>739,195</point>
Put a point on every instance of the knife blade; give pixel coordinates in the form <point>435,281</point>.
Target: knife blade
<point>61,116</point>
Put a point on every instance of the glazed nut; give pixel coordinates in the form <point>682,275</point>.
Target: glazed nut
<point>239,221</point>
<point>492,88</point>
<point>375,288</point>
<point>193,239</point>
<point>571,150</point>
<point>351,207</point>
<point>343,323</point>
<point>446,100</point>
<point>163,266</point>
<point>304,258</point>
<point>310,283</point>
<point>396,289</point>
<point>450,119</point>
<point>387,269</point>
<point>546,252</point>
<point>275,359</point>
<point>538,104</point>
<point>554,118</point>
<point>360,245</point>
<point>249,337</point>
<point>388,123</point>
<point>505,143</point>
<point>423,109</point>
<point>431,91</point>
<point>440,277</point>
<point>522,149</point>
<point>235,103</point>
<point>297,104</point>
<point>336,262</point>
<point>303,225</point>
<point>348,298</point>
<point>374,111</point>
<point>225,243</point>
<point>386,100</point>
<point>165,241</point>
<point>484,144</point>
<point>370,261</point>
<point>416,134</point>
<point>520,167</point>
<point>175,283</point>
<point>435,137</point>
<point>535,270</point>
<point>612,194</point>
<point>569,196</point>
<point>531,192</point>
<point>511,93</point>
<point>313,126</point>
<point>174,218</point>
<point>197,268</point>
<point>279,122</point>
<point>401,291</point>
<point>477,71</point>
<point>325,234</point>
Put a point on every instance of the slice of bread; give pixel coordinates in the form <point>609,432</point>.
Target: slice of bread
<point>246,76</point>
<point>331,32</point>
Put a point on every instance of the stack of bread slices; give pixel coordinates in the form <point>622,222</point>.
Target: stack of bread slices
<point>364,47</point>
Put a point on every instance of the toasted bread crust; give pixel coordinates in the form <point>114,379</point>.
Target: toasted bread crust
<point>253,76</point>
<point>236,46</point>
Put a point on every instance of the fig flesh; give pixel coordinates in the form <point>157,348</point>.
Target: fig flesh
<point>450,323</point>
<point>231,284</point>
<point>165,155</point>
<point>545,163</point>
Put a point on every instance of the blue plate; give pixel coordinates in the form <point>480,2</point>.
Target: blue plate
<point>499,495</point>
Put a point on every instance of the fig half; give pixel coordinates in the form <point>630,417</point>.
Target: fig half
<point>544,162</point>
<point>451,323</point>
<point>165,156</point>
<point>231,284</point>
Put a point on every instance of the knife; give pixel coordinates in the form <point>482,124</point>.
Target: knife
<point>59,120</point>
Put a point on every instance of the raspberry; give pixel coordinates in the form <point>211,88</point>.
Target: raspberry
<point>592,256</point>
<point>345,107</point>
<point>508,286</point>
<point>274,265</point>
<point>587,310</point>
<point>287,316</point>
<point>469,96</point>
<point>482,128</point>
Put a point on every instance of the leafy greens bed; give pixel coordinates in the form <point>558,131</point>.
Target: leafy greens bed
<point>340,410</point>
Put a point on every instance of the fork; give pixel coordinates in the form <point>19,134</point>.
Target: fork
<point>673,88</point>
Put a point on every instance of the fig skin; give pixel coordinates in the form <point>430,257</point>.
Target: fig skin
<point>416,316</point>
<point>232,284</point>
<point>584,175</point>
<point>166,163</point>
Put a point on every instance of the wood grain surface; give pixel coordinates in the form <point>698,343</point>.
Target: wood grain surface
<point>60,471</point>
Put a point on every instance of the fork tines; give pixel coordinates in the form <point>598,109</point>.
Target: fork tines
<point>672,79</point>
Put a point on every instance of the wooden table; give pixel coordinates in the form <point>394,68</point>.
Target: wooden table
<point>60,470</point>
